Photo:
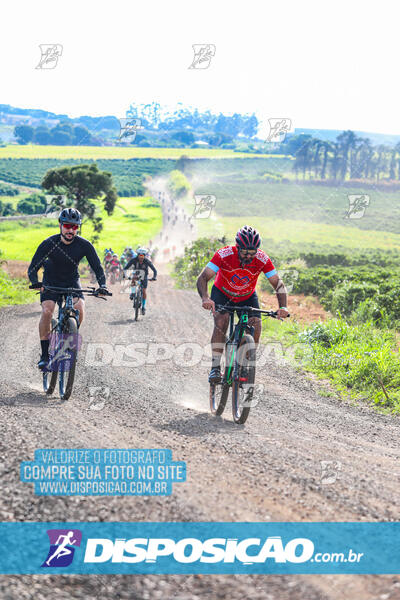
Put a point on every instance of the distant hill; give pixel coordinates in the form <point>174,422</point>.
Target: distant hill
<point>330,135</point>
<point>234,130</point>
<point>11,116</point>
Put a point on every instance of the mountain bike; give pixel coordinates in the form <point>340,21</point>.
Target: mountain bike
<point>137,279</point>
<point>238,366</point>
<point>64,341</point>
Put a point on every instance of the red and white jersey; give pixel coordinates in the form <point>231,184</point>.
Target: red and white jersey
<point>236,281</point>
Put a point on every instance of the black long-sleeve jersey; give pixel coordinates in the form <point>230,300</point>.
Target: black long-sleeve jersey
<point>60,262</point>
<point>134,262</point>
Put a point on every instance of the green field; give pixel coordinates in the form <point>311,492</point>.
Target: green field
<point>94,152</point>
<point>312,203</point>
<point>299,232</point>
<point>135,221</point>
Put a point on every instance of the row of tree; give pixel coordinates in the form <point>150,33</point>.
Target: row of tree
<point>156,117</point>
<point>349,157</point>
<point>63,134</point>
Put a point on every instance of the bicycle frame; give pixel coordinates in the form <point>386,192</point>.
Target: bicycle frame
<point>66,310</point>
<point>236,333</point>
<point>235,336</point>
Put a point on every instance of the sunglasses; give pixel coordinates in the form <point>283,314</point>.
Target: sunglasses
<point>248,252</point>
<point>70,226</point>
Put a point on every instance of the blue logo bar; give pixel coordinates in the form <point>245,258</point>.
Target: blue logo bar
<point>190,548</point>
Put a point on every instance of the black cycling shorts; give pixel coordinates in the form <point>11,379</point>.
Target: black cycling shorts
<point>144,282</point>
<point>48,295</point>
<point>221,298</point>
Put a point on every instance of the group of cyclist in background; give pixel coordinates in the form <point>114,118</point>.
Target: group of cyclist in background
<point>139,261</point>
<point>60,255</point>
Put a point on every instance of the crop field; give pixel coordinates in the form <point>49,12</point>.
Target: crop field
<point>113,152</point>
<point>300,232</point>
<point>127,175</point>
<point>306,203</point>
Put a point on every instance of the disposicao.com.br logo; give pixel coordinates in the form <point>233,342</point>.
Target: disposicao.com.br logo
<point>112,552</point>
<point>212,550</point>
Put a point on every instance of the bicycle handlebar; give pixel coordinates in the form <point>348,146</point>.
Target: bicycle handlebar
<point>90,291</point>
<point>269,313</point>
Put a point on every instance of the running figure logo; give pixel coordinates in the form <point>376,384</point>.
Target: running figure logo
<point>62,542</point>
<point>50,55</point>
<point>203,54</point>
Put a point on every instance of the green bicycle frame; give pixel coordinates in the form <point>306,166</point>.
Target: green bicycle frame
<point>235,336</point>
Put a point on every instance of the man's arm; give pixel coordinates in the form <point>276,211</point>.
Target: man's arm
<point>37,261</point>
<point>129,263</point>
<point>281,294</point>
<point>202,287</point>
<point>152,267</point>
<point>95,263</point>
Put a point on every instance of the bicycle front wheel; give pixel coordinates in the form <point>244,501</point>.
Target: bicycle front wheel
<point>50,378</point>
<point>68,364</point>
<point>219,392</point>
<point>243,382</point>
<point>137,303</point>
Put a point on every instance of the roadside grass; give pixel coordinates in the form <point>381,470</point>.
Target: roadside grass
<point>14,291</point>
<point>361,361</point>
<point>94,152</point>
<point>135,221</point>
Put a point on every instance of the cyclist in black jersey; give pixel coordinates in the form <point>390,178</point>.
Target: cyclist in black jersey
<point>60,255</point>
<point>142,263</point>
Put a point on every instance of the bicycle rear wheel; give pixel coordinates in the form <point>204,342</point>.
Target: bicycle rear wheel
<point>50,378</point>
<point>137,303</point>
<point>219,392</point>
<point>67,367</point>
<point>243,384</point>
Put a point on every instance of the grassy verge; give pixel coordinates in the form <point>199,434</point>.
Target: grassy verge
<point>14,291</point>
<point>135,221</point>
<point>361,361</point>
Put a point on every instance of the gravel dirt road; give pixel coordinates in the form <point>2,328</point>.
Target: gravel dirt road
<point>270,469</point>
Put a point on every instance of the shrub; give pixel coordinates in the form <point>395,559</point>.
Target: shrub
<point>195,258</point>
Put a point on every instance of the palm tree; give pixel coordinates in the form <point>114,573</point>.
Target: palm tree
<point>303,156</point>
<point>395,163</point>
<point>327,147</point>
<point>336,159</point>
<point>347,141</point>
<point>381,163</point>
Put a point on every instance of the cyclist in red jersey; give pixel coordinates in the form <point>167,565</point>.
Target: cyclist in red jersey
<point>237,269</point>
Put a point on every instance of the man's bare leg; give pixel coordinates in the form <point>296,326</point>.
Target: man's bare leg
<point>221,322</point>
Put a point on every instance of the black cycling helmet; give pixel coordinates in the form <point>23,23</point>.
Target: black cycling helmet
<point>248,237</point>
<point>70,215</point>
